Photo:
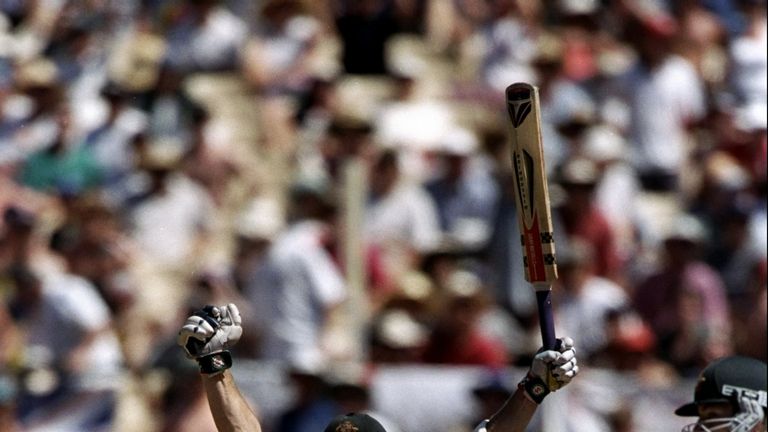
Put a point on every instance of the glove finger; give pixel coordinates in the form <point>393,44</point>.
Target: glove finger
<point>566,344</point>
<point>182,338</point>
<point>565,357</point>
<point>570,373</point>
<point>230,315</point>
<point>191,341</point>
<point>561,369</point>
<point>547,357</point>
<point>233,335</point>
<point>200,326</point>
<point>194,330</point>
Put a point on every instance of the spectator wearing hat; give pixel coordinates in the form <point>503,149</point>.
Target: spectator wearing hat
<point>206,36</point>
<point>279,61</point>
<point>458,337</point>
<point>582,218</point>
<point>401,218</point>
<point>583,301</point>
<point>665,97</point>
<point>297,285</point>
<point>173,209</point>
<point>617,191</point>
<point>567,109</point>
<point>398,338</point>
<point>62,165</point>
<point>684,301</point>
<point>464,191</point>
<point>111,142</point>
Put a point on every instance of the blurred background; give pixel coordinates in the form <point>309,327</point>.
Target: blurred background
<point>339,170</point>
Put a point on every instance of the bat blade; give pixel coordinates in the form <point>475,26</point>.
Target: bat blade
<point>531,191</point>
<point>532,199</point>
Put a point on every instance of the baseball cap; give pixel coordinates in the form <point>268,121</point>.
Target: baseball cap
<point>728,378</point>
<point>354,422</point>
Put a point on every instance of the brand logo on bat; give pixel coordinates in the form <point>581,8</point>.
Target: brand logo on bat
<point>518,112</point>
<point>523,165</point>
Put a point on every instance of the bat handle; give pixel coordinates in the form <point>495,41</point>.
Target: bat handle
<point>547,324</point>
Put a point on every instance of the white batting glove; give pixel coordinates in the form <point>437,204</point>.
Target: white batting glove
<point>556,368</point>
<point>210,331</point>
<point>750,415</point>
<point>551,370</point>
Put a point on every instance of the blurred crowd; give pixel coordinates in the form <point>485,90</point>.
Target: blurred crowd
<point>339,169</point>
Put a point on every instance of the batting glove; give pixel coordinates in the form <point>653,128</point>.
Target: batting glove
<point>750,415</point>
<point>551,370</point>
<point>208,333</point>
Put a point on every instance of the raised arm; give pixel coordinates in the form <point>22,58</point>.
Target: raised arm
<point>230,410</point>
<point>550,371</point>
<point>205,337</point>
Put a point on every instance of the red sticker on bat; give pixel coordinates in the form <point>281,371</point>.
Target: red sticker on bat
<point>533,252</point>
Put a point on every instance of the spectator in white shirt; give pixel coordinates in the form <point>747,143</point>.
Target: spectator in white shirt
<point>297,285</point>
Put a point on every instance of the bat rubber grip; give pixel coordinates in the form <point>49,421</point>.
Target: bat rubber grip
<point>547,324</point>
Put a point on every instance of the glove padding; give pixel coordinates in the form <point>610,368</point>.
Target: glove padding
<point>556,368</point>
<point>210,330</point>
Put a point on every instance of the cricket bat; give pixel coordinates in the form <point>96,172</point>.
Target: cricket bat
<point>532,199</point>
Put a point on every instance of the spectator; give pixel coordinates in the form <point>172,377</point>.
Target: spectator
<point>750,315</point>
<point>365,27</point>
<point>69,328</point>
<point>665,81</point>
<point>747,76</point>
<point>488,394</point>
<point>457,337</point>
<point>585,301</point>
<point>312,406</point>
<point>298,286</point>
<point>173,210</point>
<point>397,338</point>
<point>401,218</point>
<point>465,193</point>
<point>279,62</point>
<point>277,58</point>
<point>170,114</point>
<point>353,394</point>
<point>582,218</point>
<point>62,165</point>
<point>205,36</point>
<point>684,301</point>
<point>111,143</point>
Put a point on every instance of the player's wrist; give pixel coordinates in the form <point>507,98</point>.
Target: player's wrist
<point>215,363</point>
<point>534,388</point>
